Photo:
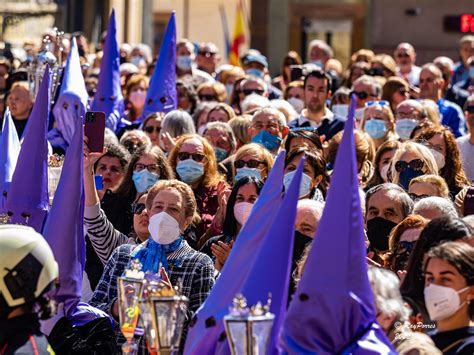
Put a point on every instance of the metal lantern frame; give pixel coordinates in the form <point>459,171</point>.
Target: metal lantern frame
<point>249,322</point>
<point>175,304</point>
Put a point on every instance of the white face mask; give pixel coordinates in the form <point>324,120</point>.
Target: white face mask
<point>163,228</point>
<point>359,113</point>
<point>439,158</point>
<point>340,110</point>
<point>242,212</point>
<point>384,172</point>
<point>297,104</point>
<point>305,185</point>
<point>442,302</point>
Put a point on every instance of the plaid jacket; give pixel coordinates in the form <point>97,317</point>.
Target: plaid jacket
<point>194,270</point>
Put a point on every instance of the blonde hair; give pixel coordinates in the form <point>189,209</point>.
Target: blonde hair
<point>255,149</point>
<point>189,201</point>
<point>218,89</point>
<point>434,180</point>
<point>211,175</point>
<point>240,125</point>
<point>421,151</point>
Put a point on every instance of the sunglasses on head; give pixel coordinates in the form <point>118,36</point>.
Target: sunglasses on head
<point>194,156</point>
<point>137,208</point>
<point>207,97</point>
<point>252,91</point>
<point>415,164</point>
<point>252,164</point>
<point>377,102</point>
<point>362,95</point>
<point>151,129</point>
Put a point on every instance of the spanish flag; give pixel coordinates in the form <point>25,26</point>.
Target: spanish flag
<point>239,35</point>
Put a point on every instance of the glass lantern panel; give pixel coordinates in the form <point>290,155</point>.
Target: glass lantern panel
<point>261,333</point>
<point>238,333</point>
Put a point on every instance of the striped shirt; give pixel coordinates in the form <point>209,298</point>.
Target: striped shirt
<point>102,234</point>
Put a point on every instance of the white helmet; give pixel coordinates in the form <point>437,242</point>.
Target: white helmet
<point>27,266</point>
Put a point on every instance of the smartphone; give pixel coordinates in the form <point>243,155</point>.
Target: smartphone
<point>94,130</point>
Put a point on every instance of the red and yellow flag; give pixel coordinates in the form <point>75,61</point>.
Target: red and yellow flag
<point>239,35</point>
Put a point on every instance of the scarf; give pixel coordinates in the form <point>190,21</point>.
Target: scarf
<point>154,254</point>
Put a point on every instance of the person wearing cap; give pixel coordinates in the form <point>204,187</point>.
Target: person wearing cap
<point>316,116</point>
<point>207,58</point>
<point>186,66</point>
<point>257,65</point>
<point>28,271</point>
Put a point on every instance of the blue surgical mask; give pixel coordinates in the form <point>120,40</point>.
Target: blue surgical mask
<point>189,171</point>
<point>268,140</point>
<point>136,59</point>
<point>375,128</point>
<point>404,127</point>
<point>184,62</point>
<point>305,185</point>
<point>221,154</point>
<point>318,63</point>
<point>228,90</point>
<point>244,172</point>
<point>408,175</point>
<point>143,180</point>
<point>255,72</point>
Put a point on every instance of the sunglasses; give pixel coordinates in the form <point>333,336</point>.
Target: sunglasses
<point>403,55</point>
<point>402,91</point>
<point>252,164</point>
<point>416,197</point>
<point>362,95</point>
<point>194,156</point>
<point>377,102</point>
<point>137,208</point>
<point>207,97</point>
<point>470,109</point>
<point>207,54</point>
<point>151,129</point>
<point>251,91</point>
<point>416,164</point>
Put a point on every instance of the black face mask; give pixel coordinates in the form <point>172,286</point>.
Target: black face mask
<point>378,230</point>
<point>301,241</point>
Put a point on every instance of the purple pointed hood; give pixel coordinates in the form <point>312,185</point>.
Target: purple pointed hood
<point>9,151</point>
<point>28,198</point>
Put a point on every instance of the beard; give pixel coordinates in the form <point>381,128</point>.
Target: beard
<point>314,106</point>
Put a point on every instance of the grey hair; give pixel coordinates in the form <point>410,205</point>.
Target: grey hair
<point>177,123</point>
<point>284,107</point>
<point>138,133</point>
<point>386,290</point>
<point>441,204</point>
<point>274,112</point>
<point>406,203</point>
<point>326,48</point>
<point>316,206</point>
<point>110,137</point>
<point>254,101</point>
<point>370,80</point>
<point>250,79</point>
<point>223,126</point>
<point>469,220</point>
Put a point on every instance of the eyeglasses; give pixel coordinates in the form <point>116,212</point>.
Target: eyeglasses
<point>194,156</point>
<point>416,164</point>
<point>252,91</point>
<point>138,208</point>
<point>470,109</point>
<point>152,168</point>
<point>362,95</point>
<point>377,102</point>
<point>151,129</point>
<point>207,97</point>
<point>252,164</point>
<point>416,197</point>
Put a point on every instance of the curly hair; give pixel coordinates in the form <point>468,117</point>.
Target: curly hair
<point>211,176</point>
<point>452,171</point>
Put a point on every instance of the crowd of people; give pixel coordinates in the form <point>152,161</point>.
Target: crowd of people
<point>175,188</point>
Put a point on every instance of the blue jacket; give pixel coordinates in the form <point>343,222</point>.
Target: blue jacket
<point>452,117</point>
